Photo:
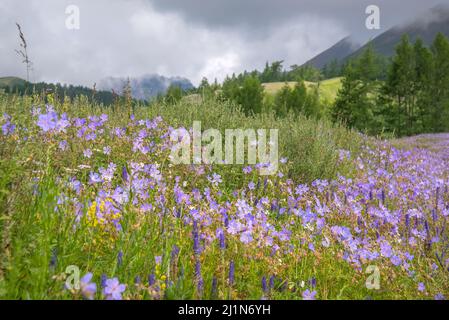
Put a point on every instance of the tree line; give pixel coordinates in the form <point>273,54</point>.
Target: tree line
<point>413,98</point>
<point>248,92</point>
<point>61,92</point>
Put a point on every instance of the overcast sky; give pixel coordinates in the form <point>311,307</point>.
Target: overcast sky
<point>189,38</point>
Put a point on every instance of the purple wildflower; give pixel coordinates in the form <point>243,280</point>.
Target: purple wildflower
<point>196,239</point>
<point>107,150</point>
<point>221,238</point>
<point>264,284</point>
<point>8,128</point>
<point>47,121</point>
<point>234,227</point>
<point>271,283</point>
<point>151,279</point>
<point>125,175</point>
<point>215,179</point>
<point>63,145</point>
<point>88,288</point>
<point>246,237</point>
<point>198,277</point>
<point>113,289</point>
<point>94,178</point>
<point>103,280</point>
<point>308,295</point>
<point>247,170</point>
<point>385,249</point>
<point>440,296</point>
<point>87,153</point>
<point>421,287</point>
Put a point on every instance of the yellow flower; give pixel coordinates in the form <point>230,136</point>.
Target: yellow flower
<point>92,215</point>
<point>103,221</point>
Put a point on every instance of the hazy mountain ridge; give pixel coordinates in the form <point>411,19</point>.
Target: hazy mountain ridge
<point>145,87</point>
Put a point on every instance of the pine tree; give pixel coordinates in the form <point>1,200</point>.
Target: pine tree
<point>440,83</point>
<point>424,70</point>
<point>400,85</point>
<point>250,95</point>
<point>276,71</point>
<point>230,88</point>
<point>298,97</point>
<point>366,65</point>
<point>312,105</point>
<point>342,108</point>
<point>266,73</point>
<point>352,105</point>
<point>283,100</point>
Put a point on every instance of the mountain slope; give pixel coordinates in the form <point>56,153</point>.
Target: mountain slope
<point>338,51</point>
<point>425,27</point>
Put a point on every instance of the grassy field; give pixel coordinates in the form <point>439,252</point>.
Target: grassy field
<point>88,188</point>
<point>328,88</point>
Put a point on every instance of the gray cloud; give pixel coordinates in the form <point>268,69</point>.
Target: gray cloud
<point>265,14</point>
<point>190,38</point>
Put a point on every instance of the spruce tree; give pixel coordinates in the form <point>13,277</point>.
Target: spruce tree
<point>312,105</point>
<point>283,100</point>
<point>400,86</point>
<point>350,99</point>
<point>440,83</point>
<point>298,97</point>
<point>367,68</point>
<point>250,95</point>
<point>424,70</point>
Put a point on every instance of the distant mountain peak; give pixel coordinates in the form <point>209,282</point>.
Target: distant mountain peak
<point>146,86</point>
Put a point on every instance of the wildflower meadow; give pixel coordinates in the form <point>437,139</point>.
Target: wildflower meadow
<point>92,207</point>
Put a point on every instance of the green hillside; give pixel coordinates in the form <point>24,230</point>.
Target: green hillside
<point>328,88</point>
<point>11,82</point>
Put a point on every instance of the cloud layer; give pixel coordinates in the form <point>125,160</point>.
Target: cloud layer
<point>189,38</point>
